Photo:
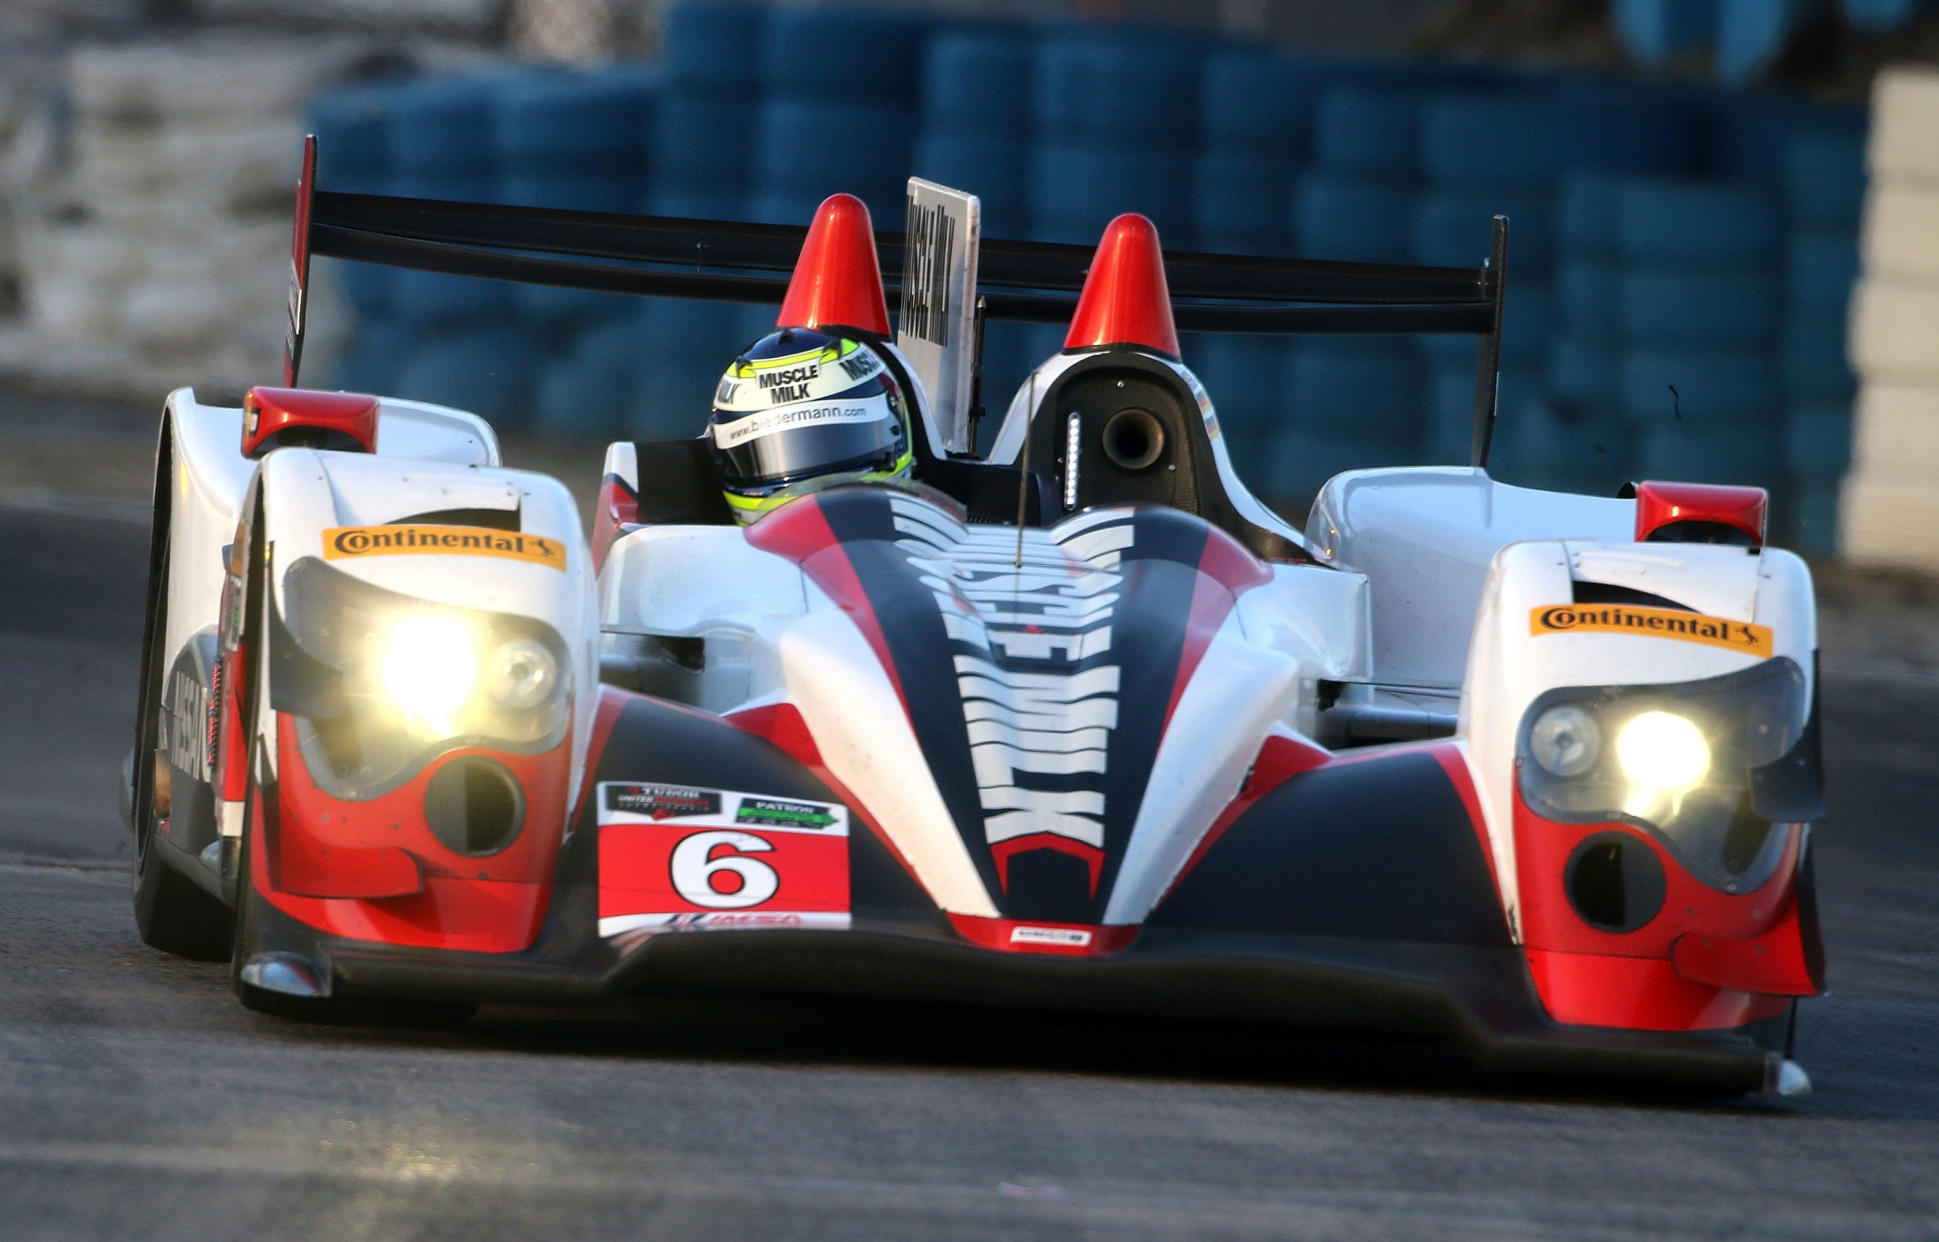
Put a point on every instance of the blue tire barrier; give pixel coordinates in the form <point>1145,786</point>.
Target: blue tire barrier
<point>576,124</point>
<point>1659,31</point>
<point>1817,441</point>
<point>1258,100</point>
<point>690,345</point>
<point>715,46</point>
<point>1821,268</point>
<point>1589,458</point>
<point>1245,376</point>
<point>443,126</point>
<point>1586,293</point>
<point>1302,459</point>
<point>1585,377</point>
<point>1527,324</point>
<point>886,204</point>
<point>1671,222</point>
<point>1447,437</point>
<point>352,127</point>
<point>1751,34</point>
<point>1370,384</point>
<point>1239,198</point>
<point>1694,306</point>
<point>373,360</point>
<point>703,143</point>
<point>1588,217</point>
<point>489,371</point>
<point>1824,181</point>
<point>979,82</point>
<point>434,297</point>
<point>830,146</point>
<point>1374,131</point>
<point>859,55</point>
<point>527,187</point>
<point>1815,367</point>
<point>1812,521</point>
<point>994,167</point>
<point>1346,216</point>
<point>1455,227</point>
<point>1076,190</point>
<point>696,204</point>
<point>1522,141</point>
<point>1754,132</point>
<point>1091,90</point>
<point>1750,455</point>
<point>1880,15</point>
<point>588,389</point>
<point>1712,387</point>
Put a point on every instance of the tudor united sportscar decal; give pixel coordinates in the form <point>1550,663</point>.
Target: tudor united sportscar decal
<point>1689,627</point>
<point>677,858</point>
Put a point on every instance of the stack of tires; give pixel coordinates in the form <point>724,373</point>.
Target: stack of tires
<point>1889,511</point>
<point>1745,37</point>
<point>1825,187</point>
<point>1256,125</point>
<point>580,142</point>
<point>703,168</point>
<point>462,345</point>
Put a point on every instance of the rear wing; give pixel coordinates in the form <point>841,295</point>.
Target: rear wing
<point>1031,282</point>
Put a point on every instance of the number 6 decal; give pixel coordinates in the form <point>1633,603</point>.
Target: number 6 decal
<point>696,868</point>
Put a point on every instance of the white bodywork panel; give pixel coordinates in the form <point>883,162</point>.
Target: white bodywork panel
<point>1425,538</point>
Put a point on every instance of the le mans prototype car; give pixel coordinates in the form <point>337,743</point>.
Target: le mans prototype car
<point>1076,724</point>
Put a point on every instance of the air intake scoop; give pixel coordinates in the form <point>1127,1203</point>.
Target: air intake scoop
<point>1126,300</point>
<point>837,281</point>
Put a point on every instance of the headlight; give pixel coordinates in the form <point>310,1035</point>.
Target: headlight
<point>1662,750</point>
<point>380,682</point>
<point>429,666</point>
<point>1692,762</point>
<point>1565,740</point>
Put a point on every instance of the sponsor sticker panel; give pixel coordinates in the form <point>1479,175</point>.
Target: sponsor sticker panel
<point>1689,627</point>
<point>344,543</point>
<point>686,858</point>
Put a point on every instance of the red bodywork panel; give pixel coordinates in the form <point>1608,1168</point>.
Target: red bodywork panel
<point>617,511</point>
<point>1662,504</point>
<point>267,411</point>
<point>1126,300</point>
<point>1590,977</point>
<point>837,281</point>
<point>373,870</point>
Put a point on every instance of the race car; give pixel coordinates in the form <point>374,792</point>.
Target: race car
<point>1077,724</point>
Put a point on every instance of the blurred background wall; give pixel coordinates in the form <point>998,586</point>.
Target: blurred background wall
<point>1687,181</point>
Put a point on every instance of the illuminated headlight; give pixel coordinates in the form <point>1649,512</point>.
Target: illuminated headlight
<point>428,666</point>
<point>1565,740</point>
<point>522,674</point>
<point>1663,750</point>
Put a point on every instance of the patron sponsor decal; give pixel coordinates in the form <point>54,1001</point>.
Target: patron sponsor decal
<point>1690,627</point>
<point>354,542</point>
<point>678,858</point>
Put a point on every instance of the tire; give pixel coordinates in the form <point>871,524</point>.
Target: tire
<point>171,912</point>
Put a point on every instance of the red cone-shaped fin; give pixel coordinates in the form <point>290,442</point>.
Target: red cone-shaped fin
<point>1125,299</point>
<point>837,281</point>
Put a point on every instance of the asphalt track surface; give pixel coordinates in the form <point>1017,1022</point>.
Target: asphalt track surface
<point>137,1100</point>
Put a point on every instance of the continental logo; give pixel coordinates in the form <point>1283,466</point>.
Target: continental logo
<point>343,543</point>
<point>1689,627</point>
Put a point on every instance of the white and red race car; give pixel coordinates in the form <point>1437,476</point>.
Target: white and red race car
<point>1078,724</point>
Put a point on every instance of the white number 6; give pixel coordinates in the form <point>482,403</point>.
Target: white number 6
<point>694,870</point>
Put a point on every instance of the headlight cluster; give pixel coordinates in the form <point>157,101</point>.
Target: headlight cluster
<point>1681,760</point>
<point>380,682</point>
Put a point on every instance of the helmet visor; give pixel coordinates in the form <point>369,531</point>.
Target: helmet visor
<point>806,438</point>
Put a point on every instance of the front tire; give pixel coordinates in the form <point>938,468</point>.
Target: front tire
<point>171,913</point>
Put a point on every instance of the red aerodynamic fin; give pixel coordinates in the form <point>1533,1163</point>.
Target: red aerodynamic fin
<point>837,281</point>
<point>1126,300</point>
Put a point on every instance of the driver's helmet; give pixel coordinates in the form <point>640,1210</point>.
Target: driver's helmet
<point>800,410</point>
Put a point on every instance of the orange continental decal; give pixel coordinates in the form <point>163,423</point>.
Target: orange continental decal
<point>1689,627</point>
<point>342,543</point>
